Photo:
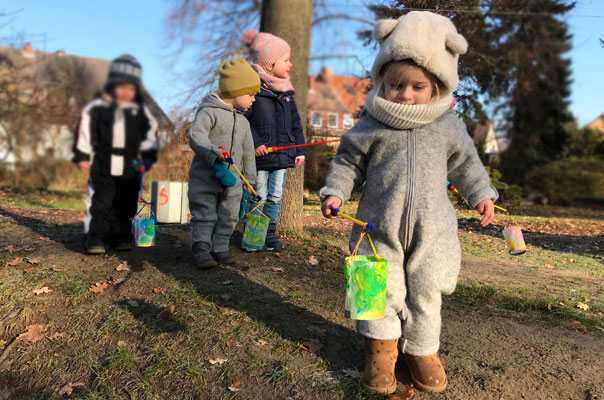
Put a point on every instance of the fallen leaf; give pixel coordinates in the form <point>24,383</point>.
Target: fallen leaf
<point>121,343</point>
<point>313,261</point>
<point>44,289</point>
<point>160,290</point>
<point>16,261</point>
<point>43,238</point>
<point>227,296</point>
<point>67,389</point>
<point>10,248</point>
<point>35,260</point>
<point>166,312</point>
<point>132,303</point>
<point>236,386</point>
<point>56,268</point>
<point>85,259</point>
<point>262,342</point>
<point>549,266</point>
<point>2,344</point>
<point>231,342</point>
<point>123,266</point>
<point>227,282</point>
<point>549,306</point>
<point>585,299</point>
<point>277,269</point>
<point>581,329</point>
<point>562,304</point>
<point>34,333</point>
<point>117,281</point>
<point>218,361</point>
<point>99,287</point>
<point>582,306</point>
<point>353,373</point>
<point>313,345</point>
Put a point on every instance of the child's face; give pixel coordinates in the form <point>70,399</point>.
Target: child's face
<point>124,93</point>
<point>243,103</point>
<point>407,84</point>
<point>282,67</point>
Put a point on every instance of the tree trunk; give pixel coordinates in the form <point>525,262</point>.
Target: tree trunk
<point>291,20</point>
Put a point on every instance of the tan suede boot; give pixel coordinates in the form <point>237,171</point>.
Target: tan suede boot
<point>380,359</point>
<point>427,372</point>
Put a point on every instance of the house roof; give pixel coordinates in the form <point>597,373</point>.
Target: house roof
<point>597,124</point>
<point>341,93</point>
<point>322,97</point>
<point>42,67</point>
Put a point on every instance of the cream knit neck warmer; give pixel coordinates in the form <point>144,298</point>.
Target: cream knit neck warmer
<point>402,116</point>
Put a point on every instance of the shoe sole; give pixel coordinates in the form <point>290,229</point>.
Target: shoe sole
<point>95,252</point>
<point>208,265</point>
<point>389,390</point>
<point>428,389</point>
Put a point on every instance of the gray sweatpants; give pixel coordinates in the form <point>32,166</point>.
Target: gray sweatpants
<point>214,216</point>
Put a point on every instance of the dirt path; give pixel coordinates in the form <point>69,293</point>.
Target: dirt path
<point>489,352</point>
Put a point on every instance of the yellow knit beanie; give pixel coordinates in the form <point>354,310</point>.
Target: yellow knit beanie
<point>237,78</point>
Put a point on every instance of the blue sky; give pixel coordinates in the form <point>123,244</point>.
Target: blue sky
<point>108,28</point>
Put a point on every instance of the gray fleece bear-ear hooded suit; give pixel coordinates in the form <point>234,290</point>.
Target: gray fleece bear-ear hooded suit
<point>405,154</point>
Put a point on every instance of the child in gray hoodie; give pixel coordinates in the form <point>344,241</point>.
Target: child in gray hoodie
<point>406,146</point>
<point>220,130</point>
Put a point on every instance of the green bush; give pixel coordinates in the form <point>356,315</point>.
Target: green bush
<point>509,195</point>
<point>563,180</point>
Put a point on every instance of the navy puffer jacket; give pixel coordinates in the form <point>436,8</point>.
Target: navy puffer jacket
<point>275,121</point>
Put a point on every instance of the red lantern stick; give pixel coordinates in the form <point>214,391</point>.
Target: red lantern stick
<point>277,148</point>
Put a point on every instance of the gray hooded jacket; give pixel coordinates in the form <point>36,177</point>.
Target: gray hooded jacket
<point>217,124</point>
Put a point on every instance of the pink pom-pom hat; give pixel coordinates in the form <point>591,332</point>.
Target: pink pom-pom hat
<point>265,49</point>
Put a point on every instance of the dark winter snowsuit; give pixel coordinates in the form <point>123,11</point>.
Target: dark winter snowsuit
<point>113,138</point>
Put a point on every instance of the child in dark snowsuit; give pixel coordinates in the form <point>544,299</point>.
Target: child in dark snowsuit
<point>215,200</point>
<point>115,135</point>
<point>405,148</point>
<point>275,121</point>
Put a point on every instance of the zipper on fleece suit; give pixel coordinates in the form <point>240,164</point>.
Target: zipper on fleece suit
<point>410,199</point>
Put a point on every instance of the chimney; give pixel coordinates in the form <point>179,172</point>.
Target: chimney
<point>28,51</point>
<point>28,48</point>
<point>325,74</point>
<point>60,52</point>
<point>311,82</point>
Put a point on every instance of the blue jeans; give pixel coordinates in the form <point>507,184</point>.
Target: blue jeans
<point>269,185</point>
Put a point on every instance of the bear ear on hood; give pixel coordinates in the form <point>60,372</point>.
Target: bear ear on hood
<point>456,43</point>
<point>383,28</point>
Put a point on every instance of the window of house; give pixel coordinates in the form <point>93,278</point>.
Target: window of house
<point>332,120</point>
<point>348,121</point>
<point>316,119</point>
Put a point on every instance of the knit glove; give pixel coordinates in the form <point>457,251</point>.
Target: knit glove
<point>222,172</point>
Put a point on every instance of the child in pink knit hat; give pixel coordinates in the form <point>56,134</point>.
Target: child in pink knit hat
<point>274,121</point>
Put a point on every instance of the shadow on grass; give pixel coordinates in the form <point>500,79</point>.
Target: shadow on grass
<point>342,346</point>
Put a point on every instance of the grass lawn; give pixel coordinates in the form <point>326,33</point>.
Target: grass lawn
<point>272,327</point>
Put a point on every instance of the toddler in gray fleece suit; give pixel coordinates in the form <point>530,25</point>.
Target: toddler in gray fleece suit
<point>220,130</point>
<point>405,147</point>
